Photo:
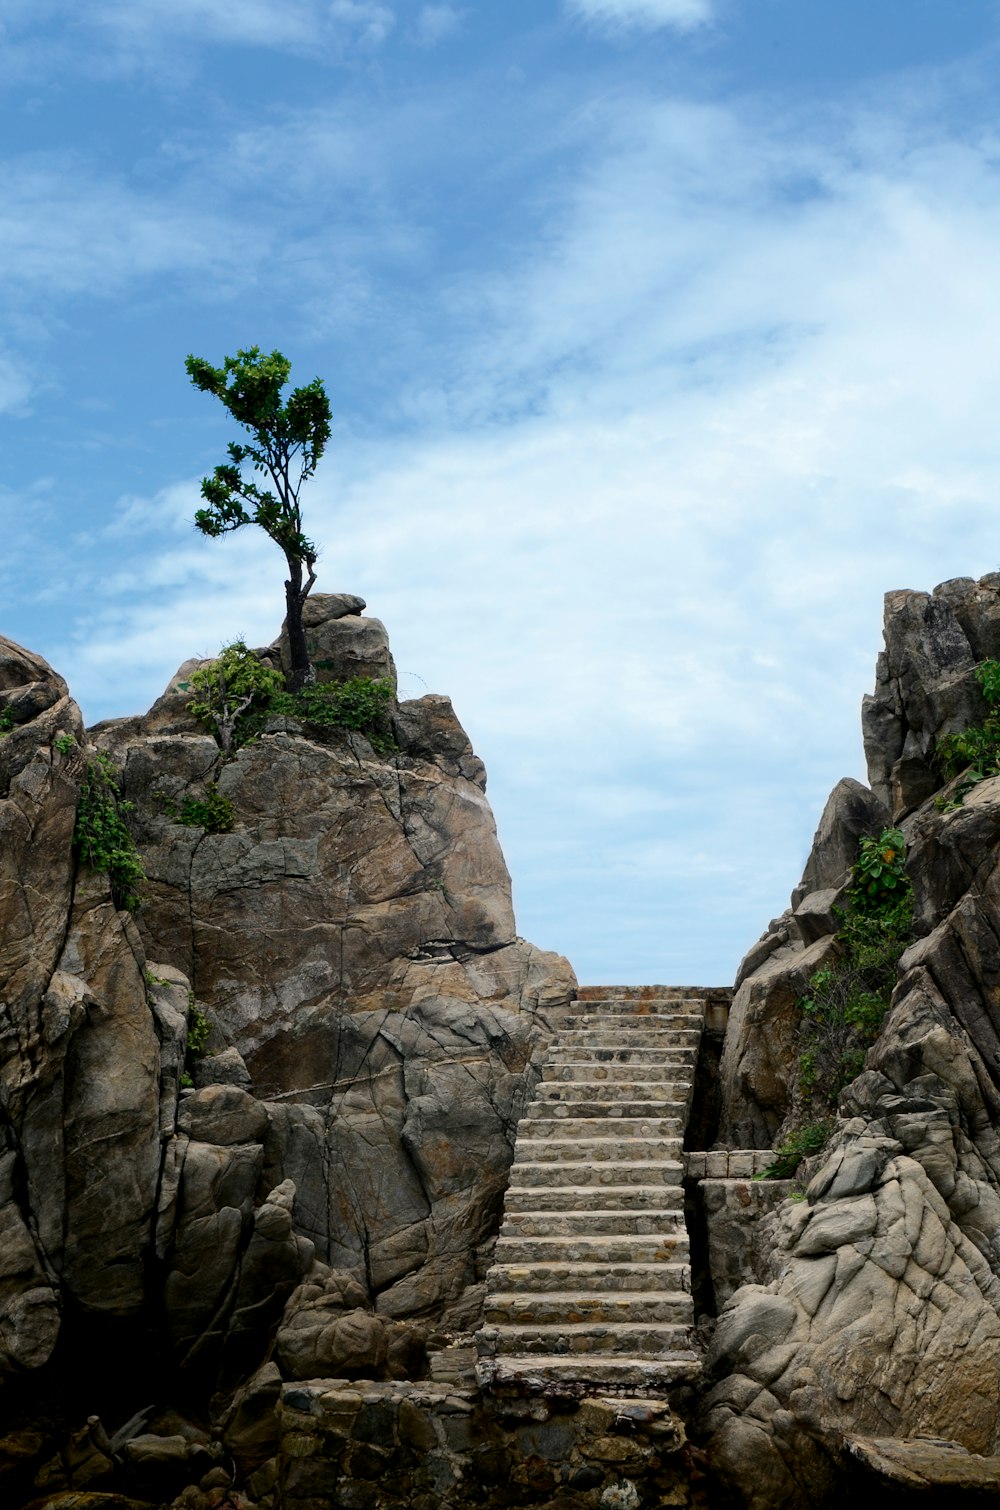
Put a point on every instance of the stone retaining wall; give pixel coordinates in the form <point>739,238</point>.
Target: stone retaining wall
<point>361,1446</point>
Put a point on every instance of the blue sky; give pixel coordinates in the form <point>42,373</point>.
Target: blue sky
<point>663,338</point>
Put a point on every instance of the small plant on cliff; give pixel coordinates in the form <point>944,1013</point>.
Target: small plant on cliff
<point>799,1145</point>
<point>973,754</point>
<point>214,813</point>
<point>842,1015</point>
<point>361,703</point>
<point>847,1000</point>
<point>285,446</point>
<point>6,721</point>
<point>232,694</point>
<point>198,1030</point>
<point>101,836</point>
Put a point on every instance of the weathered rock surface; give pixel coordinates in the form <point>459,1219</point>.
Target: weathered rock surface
<point>375,1026</point>
<point>877,1311</point>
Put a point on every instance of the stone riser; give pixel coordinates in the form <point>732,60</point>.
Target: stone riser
<point>612,1174</point>
<point>557,1147</point>
<point>553,1309</point>
<point>591,1223</point>
<point>629,1340</point>
<point>641,1064</point>
<point>663,1248</point>
<point>666,1092</point>
<point>591,1119</point>
<point>604,1197</point>
<point>686,1026</point>
<point>631,1038</point>
<point>595,1279</point>
<point>634,1376</point>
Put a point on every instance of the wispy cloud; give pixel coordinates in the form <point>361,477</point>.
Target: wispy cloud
<point>642,15</point>
<point>435,22</point>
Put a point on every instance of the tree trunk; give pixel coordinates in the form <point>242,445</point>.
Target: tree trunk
<point>295,597</point>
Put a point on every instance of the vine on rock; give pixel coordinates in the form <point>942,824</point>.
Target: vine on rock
<point>847,1001</point>
<point>101,836</point>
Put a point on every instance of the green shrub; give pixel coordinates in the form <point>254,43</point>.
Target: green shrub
<point>101,836</point>
<point>842,1015</point>
<point>6,721</point>
<point>976,750</point>
<point>361,703</point>
<point>232,695</point>
<point>799,1145</point>
<point>236,694</point>
<point>215,814</point>
<point>198,1030</point>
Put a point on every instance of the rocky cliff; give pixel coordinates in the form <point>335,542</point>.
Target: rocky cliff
<point>322,1199</point>
<point>878,1311</point>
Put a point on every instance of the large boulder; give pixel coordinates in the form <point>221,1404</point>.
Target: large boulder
<point>876,1313</point>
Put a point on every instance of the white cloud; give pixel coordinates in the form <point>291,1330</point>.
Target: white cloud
<point>435,22</point>
<point>643,15</point>
<point>740,384</point>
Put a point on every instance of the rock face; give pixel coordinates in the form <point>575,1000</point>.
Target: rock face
<point>374,1021</point>
<point>878,1311</point>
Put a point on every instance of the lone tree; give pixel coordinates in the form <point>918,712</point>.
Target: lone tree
<point>287,441</point>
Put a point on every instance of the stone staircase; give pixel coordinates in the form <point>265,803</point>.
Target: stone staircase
<point>591,1278</point>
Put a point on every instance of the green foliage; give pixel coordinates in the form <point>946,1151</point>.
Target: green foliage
<point>198,1030</point>
<point>847,1001</point>
<point>215,814</point>
<point>361,703</point>
<point>285,446</point>
<point>880,869</point>
<point>6,721</point>
<point>842,1015</point>
<point>101,836</point>
<point>236,693</point>
<point>799,1145</point>
<point>974,753</point>
<point>232,695</point>
<point>65,744</point>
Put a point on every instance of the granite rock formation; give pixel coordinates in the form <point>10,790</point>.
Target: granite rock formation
<point>329,1185</point>
<point>877,1314</point>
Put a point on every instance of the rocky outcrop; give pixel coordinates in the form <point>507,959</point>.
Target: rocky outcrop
<point>375,1028</point>
<point>878,1307</point>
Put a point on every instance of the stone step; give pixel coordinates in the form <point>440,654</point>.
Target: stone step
<point>591,1223</point>
<point>661,1006</point>
<point>659,1117</point>
<point>589,1278</point>
<point>631,1338</point>
<point>643,1092</point>
<point>634,1376</point>
<point>651,1024</point>
<point>557,1145</point>
<point>564,1308</point>
<point>609,1175</point>
<point>580,1197</point>
<point>630,1038</point>
<point>646,993</point>
<point>608,1248</point>
<point>618,1064</point>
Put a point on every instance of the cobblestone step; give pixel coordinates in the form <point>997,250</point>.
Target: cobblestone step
<point>588,1119</point>
<point>634,1376</point>
<point>631,1339</point>
<point>623,1248</point>
<point>612,1093</point>
<point>591,1223</point>
<point>618,1064</point>
<point>521,1198</point>
<point>591,1278</point>
<point>612,1174</point>
<point>558,1146</point>
<point>566,1308</point>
